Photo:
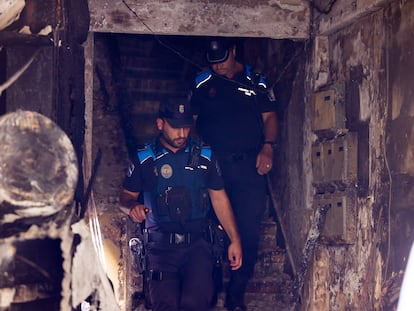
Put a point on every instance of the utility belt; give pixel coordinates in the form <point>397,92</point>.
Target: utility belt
<point>173,238</point>
<point>214,235</point>
<point>236,156</point>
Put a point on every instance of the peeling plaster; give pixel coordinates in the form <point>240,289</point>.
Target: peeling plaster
<point>379,263</point>
<point>402,92</point>
<point>321,61</point>
<point>360,55</point>
<point>397,101</point>
<point>408,158</point>
<point>320,281</point>
<point>352,270</point>
<point>364,101</point>
<point>84,259</point>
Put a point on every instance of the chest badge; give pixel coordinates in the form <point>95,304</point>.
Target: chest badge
<point>166,171</point>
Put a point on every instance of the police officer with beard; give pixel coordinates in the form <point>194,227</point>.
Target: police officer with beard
<point>178,179</point>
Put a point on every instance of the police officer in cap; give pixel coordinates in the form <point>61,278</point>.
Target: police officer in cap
<point>178,178</point>
<point>236,116</point>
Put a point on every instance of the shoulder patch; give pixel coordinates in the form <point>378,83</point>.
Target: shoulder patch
<point>256,78</point>
<point>145,154</point>
<point>206,152</point>
<point>262,82</point>
<point>203,77</point>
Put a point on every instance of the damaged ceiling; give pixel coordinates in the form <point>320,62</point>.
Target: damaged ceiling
<point>277,19</point>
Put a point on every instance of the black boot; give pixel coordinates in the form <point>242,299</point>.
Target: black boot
<point>235,292</point>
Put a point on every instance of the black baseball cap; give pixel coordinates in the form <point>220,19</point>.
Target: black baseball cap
<point>218,49</point>
<point>177,111</point>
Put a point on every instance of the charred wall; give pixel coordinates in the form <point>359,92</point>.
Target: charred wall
<point>367,64</point>
<point>45,262</point>
<point>47,36</point>
<point>361,51</point>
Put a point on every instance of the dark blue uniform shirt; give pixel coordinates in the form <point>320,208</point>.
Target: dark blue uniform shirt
<point>157,169</point>
<point>229,111</point>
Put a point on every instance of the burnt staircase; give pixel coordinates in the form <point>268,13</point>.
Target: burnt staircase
<point>271,287</point>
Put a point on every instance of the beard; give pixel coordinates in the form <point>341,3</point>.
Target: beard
<point>179,142</point>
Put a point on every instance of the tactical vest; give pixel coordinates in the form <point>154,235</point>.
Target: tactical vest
<point>180,194</point>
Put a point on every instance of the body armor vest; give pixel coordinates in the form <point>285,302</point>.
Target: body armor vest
<point>180,193</point>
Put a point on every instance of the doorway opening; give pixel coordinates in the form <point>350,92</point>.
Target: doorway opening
<point>132,74</point>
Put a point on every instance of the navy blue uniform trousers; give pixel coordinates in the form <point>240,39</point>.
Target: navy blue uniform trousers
<point>192,287</point>
<point>247,193</point>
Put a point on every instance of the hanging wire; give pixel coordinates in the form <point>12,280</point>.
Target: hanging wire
<point>198,66</point>
<point>93,219</point>
<point>159,40</point>
<point>326,10</point>
<point>18,73</point>
<point>96,232</point>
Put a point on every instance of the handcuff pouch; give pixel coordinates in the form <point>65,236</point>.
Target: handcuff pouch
<point>179,204</point>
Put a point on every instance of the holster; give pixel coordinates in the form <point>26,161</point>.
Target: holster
<point>217,237</point>
<point>136,245</point>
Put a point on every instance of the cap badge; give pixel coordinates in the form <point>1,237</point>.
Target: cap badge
<point>214,45</point>
<point>181,108</point>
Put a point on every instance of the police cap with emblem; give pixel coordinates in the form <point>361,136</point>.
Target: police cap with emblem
<point>218,49</point>
<point>177,111</point>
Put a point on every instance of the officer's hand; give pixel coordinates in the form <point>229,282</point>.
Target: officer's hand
<point>264,160</point>
<point>235,255</point>
<point>138,212</point>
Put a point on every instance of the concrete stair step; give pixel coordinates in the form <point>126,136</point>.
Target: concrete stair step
<point>269,227</point>
<point>270,289</point>
<point>269,262</point>
<point>268,294</point>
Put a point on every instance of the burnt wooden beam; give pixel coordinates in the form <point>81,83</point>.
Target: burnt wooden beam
<point>344,13</point>
<point>11,38</point>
